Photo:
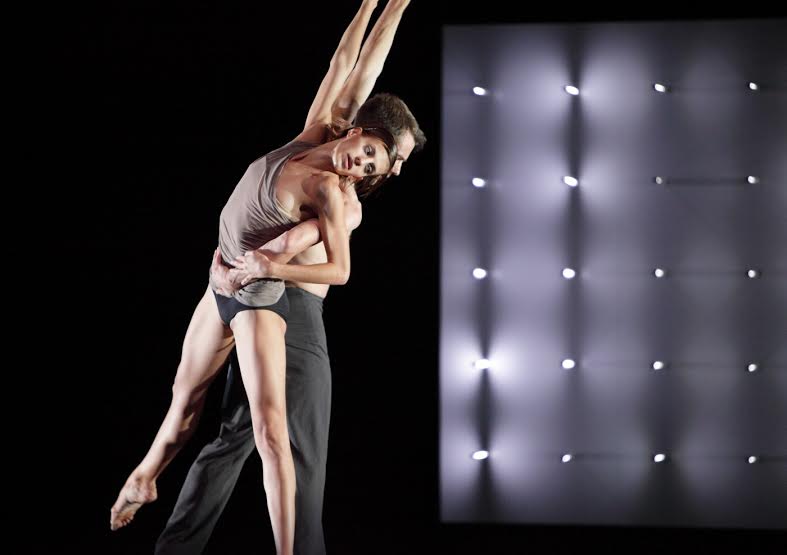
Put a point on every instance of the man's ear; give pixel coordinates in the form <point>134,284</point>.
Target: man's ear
<point>354,131</point>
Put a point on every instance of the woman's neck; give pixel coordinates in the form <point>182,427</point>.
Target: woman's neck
<point>320,157</point>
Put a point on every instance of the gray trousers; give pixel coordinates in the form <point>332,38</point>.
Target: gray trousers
<point>213,475</point>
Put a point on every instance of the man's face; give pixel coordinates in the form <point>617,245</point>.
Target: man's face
<point>404,145</point>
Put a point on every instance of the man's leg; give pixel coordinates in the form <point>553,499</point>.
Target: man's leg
<point>308,415</point>
<point>213,475</point>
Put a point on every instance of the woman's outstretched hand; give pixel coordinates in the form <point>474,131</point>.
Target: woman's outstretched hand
<point>253,265</point>
<point>225,281</point>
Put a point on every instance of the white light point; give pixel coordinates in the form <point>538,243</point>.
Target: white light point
<point>479,273</point>
<point>659,273</point>
<point>752,367</point>
<point>572,90</point>
<point>478,182</point>
<point>753,86</point>
<point>481,455</point>
<point>660,88</point>
<point>566,458</point>
<point>482,364</point>
<point>659,180</point>
<point>570,181</point>
<point>568,364</point>
<point>753,274</point>
<point>752,459</point>
<point>568,273</point>
<point>658,365</point>
<point>480,91</point>
<point>659,458</point>
<point>752,179</point>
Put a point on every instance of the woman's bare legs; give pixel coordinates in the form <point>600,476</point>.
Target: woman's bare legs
<point>206,346</point>
<point>259,336</point>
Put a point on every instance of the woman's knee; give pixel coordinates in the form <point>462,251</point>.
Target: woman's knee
<point>185,394</point>
<point>270,432</point>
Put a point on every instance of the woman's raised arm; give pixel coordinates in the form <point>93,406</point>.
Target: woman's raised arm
<point>370,64</point>
<point>341,65</point>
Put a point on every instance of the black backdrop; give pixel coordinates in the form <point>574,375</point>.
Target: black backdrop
<point>154,114</point>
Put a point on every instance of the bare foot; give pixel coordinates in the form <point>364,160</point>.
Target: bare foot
<point>134,494</point>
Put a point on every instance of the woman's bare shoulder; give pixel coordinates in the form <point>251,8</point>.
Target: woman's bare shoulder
<point>319,183</point>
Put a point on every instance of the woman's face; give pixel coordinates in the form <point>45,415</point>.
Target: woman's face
<point>358,155</point>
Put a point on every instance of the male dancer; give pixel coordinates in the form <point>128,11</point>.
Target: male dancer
<point>213,475</point>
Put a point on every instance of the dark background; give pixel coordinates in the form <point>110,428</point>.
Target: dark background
<point>158,110</point>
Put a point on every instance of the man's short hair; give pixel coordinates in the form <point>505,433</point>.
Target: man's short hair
<point>390,112</point>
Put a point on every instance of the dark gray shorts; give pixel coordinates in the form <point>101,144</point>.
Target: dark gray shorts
<point>230,306</point>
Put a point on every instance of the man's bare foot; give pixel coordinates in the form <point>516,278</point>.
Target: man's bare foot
<point>134,494</point>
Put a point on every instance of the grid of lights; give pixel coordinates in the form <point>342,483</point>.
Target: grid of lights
<point>569,273</point>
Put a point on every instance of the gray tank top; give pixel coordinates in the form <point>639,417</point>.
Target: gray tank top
<point>253,216</point>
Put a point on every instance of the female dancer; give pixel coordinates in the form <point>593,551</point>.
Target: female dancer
<point>313,175</point>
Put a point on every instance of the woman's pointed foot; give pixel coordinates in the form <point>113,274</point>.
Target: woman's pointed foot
<point>135,493</point>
